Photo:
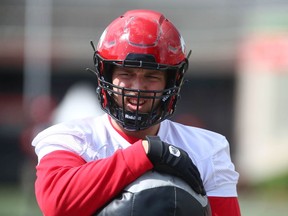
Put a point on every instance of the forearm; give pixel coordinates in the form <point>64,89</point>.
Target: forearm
<point>67,185</point>
<point>222,206</point>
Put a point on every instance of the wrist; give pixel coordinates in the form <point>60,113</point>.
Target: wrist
<point>155,149</point>
<point>145,145</point>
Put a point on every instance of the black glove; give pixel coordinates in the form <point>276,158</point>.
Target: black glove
<point>175,161</point>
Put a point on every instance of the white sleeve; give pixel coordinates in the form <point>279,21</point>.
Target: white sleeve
<point>220,178</point>
<point>58,137</point>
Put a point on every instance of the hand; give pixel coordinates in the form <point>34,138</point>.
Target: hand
<point>173,160</point>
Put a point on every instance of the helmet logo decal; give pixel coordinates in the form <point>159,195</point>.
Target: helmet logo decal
<point>167,96</point>
<point>132,117</point>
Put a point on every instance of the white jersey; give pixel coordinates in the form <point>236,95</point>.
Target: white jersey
<point>95,138</point>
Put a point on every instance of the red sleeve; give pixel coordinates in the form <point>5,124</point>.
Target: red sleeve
<point>67,185</point>
<point>222,206</point>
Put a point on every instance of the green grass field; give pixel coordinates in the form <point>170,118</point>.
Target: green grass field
<point>258,202</point>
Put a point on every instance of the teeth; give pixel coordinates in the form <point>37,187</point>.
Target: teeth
<point>134,102</point>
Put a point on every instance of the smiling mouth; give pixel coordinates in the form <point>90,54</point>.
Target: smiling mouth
<point>134,104</point>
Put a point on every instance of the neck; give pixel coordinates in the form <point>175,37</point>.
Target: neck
<point>141,134</point>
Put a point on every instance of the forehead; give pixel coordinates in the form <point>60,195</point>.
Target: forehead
<point>137,70</point>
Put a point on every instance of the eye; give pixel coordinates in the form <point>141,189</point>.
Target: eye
<point>123,74</point>
<point>127,75</point>
<point>154,77</point>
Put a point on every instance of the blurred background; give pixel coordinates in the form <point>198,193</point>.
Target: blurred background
<point>237,85</point>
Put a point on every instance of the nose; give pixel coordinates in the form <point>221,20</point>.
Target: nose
<point>138,82</point>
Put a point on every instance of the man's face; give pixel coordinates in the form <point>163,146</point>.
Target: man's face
<point>138,79</point>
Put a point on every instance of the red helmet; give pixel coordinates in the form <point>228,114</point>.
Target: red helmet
<point>144,32</point>
<point>140,39</point>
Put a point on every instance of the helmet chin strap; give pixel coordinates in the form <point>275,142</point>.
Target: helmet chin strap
<point>133,121</point>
